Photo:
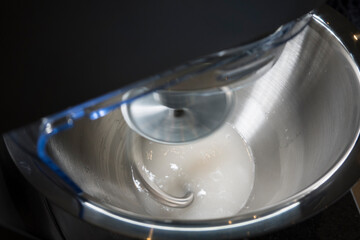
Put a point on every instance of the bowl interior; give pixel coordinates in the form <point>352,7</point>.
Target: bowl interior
<point>298,120</point>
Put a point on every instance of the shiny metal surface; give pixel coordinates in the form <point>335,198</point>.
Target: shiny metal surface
<point>301,121</point>
<point>174,117</point>
<point>198,96</point>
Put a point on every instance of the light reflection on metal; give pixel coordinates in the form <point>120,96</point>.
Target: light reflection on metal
<point>89,207</point>
<point>272,97</point>
<point>150,234</point>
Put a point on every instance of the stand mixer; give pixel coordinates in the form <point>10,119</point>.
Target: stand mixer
<point>205,89</point>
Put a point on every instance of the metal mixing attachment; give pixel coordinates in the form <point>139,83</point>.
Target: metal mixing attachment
<point>143,175</point>
<point>170,117</point>
<point>157,193</point>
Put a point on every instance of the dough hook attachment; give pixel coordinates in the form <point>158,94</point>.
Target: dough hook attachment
<point>138,168</point>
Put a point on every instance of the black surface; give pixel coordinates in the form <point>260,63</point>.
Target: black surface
<point>61,53</point>
<point>7,233</point>
<point>348,8</point>
<point>23,210</point>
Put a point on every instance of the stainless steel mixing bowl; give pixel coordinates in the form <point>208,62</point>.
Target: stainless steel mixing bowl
<point>301,120</point>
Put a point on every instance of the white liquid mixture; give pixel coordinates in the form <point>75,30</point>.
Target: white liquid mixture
<point>219,170</point>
